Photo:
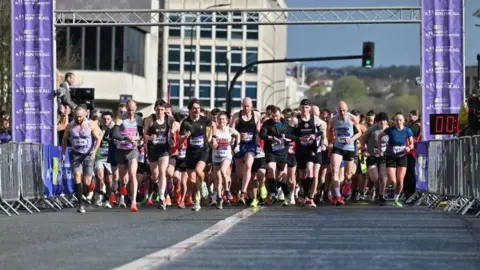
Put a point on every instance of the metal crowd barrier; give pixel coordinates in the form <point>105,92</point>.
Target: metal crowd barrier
<point>448,175</point>
<point>32,179</point>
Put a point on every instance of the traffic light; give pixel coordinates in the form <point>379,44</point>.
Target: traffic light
<point>368,54</point>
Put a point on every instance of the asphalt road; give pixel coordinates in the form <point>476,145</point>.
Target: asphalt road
<point>350,237</point>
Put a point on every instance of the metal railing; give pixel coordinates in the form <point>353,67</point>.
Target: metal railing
<point>448,175</point>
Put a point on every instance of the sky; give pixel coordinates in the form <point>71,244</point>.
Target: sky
<point>395,44</point>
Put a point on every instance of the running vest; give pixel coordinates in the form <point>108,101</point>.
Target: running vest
<point>128,129</point>
<point>343,130</point>
<point>224,148</point>
<point>248,127</point>
<point>81,140</point>
<point>104,149</point>
<point>304,129</point>
<point>161,132</point>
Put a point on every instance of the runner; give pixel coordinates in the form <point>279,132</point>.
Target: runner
<point>343,148</point>
<point>121,111</point>
<point>194,130</point>
<point>324,174</point>
<point>400,143</point>
<point>159,136</point>
<point>311,141</point>
<point>248,123</point>
<point>181,175</point>
<point>81,132</point>
<point>222,156</point>
<point>274,132</point>
<point>290,186</point>
<point>127,133</point>
<point>102,167</point>
<point>376,163</point>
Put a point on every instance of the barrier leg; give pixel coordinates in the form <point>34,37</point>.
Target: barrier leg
<point>32,206</point>
<point>19,204</point>
<point>9,207</point>
<point>49,204</point>
<point>414,197</point>
<point>466,207</point>
<point>436,202</point>
<point>422,198</point>
<point>66,201</point>
<point>4,210</point>
<point>452,203</point>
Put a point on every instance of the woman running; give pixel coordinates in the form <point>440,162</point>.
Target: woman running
<point>400,142</point>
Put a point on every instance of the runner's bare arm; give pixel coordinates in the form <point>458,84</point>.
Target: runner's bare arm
<point>324,128</point>
<point>98,134</point>
<point>233,119</point>
<point>330,130</point>
<point>363,138</point>
<point>235,134</point>
<point>66,135</point>
<point>355,122</point>
<point>258,120</point>
<point>213,127</point>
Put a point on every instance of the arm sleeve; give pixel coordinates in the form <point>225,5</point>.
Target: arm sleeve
<point>117,134</point>
<point>183,128</point>
<point>264,131</point>
<point>415,130</point>
<point>409,133</point>
<point>67,100</point>
<point>290,134</point>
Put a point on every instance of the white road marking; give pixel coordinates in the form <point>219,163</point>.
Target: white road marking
<point>171,253</point>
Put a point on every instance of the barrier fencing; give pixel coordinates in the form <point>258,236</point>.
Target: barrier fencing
<point>32,178</point>
<point>448,175</point>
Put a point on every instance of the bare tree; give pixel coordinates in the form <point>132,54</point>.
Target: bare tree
<point>5,56</point>
<point>68,53</point>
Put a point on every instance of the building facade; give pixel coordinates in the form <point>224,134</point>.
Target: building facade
<point>196,59</point>
<point>113,60</point>
<point>471,81</point>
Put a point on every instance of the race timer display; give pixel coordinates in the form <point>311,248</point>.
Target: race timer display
<point>444,124</point>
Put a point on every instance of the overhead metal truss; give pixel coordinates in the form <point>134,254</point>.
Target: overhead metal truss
<point>288,16</point>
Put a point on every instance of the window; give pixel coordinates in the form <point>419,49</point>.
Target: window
<point>188,91</point>
<point>236,104</point>
<point>90,48</point>
<point>134,61</point>
<point>190,30</point>
<point>174,31</point>
<point>205,59</point>
<point>252,29</point>
<point>174,92</point>
<point>174,58</point>
<point>237,95</point>
<point>204,93</point>
<point>222,30</point>
<point>189,64</point>
<point>252,55</point>
<point>220,94</point>
<point>237,30</point>
<point>106,39</point>
<point>119,37</point>
<point>220,59</point>
<point>236,59</point>
<point>251,91</point>
<point>206,30</point>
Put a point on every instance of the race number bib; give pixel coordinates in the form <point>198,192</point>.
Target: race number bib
<point>247,137</point>
<point>399,149</point>
<point>222,152</point>
<point>80,142</point>
<point>197,141</point>
<point>182,153</point>
<point>291,149</point>
<point>160,140</point>
<point>104,151</point>
<point>376,151</point>
<point>342,139</point>
<point>278,146</point>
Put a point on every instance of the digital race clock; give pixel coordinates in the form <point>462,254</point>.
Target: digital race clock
<point>444,124</point>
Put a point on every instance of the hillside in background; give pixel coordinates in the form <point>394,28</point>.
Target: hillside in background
<point>389,89</point>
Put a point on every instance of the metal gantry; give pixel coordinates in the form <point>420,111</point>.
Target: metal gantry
<point>287,16</point>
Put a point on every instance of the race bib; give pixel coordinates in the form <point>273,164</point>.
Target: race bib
<point>222,152</point>
<point>399,149</point>
<point>307,143</point>
<point>247,137</point>
<point>376,151</point>
<point>342,139</point>
<point>278,146</point>
<point>160,140</point>
<point>182,153</point>
<point>291,149</point>
<point>104,151</point>
<point>80,142</point>
<point>197,141</point>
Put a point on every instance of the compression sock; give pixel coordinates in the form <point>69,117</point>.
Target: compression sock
<point>79,193</point>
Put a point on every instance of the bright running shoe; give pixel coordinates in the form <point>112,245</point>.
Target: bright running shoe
<point>189,201</point>
<point>396,203</point>
<point>181,204</point>
<point>99,200</point>
<point>219,203</point>
<point>280,195</point>
<point>133,207</point>
<point>150,202</point>
<point>196,207</point>
<point>123,190</point>
<point>122,203</point>
<point>108,205</point>
<point>168,201</point>
<point>254,203</point>
<point>156,198</point>
<point>346,189</point>
<point>271,199</point>
<point>113,199</point>
<point>204,190</point>
<point>312,204</point>
<point>340,201</point>
<point>162,205</point>
<point>81,209</point>
<point>263,192</point>
<point>241,199</point>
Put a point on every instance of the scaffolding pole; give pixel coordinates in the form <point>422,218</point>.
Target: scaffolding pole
<point>287,16</point>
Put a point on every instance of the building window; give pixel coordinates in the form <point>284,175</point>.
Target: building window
<point>206,30</point>
<point>106,39</point>
<point>236,59</point>
<point>252,29</point>
<point>188,91</point>
<point>90,48</point>
<point>220,94</point>
<point>237,30</point>
<point>174,92</point>
<point>174,58</point>
<point>204,93</point>
<point>69,48</point>
<point>220,59</point>
<point>190,30</point>
<point>237,95</point>
<point>222,30</point>
<point>134,61</point>
<point>205,59</point>
<point>189,63</point>
<point>119,46</point>
<point>174,31</point>
<point>252,55</point>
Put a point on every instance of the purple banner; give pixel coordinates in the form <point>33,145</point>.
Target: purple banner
<point>32,71</point>
<point>442,56</point>
<point>421,169</point>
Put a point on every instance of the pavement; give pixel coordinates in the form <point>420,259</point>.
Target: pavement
<point>349,237</point>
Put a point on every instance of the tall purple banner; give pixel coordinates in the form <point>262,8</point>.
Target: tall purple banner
<point>421,168</point>
<point>32,71</point>
<point>443,61</point>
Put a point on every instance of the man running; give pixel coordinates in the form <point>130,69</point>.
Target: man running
<point>127,133</point>
<point>312,139</point>
<point>159,136</point>
<point>247,123</point>
<point>102,167</point>
<point>343,149</point>
<point>194,130</point>
<point>82,133</point>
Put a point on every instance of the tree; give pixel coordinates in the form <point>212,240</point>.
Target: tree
<point>318,90</point>
<point>349,87</point>
<point>68,55</point>
<point>5,57</point>
<point>404,104</point>
<point>400,89</point>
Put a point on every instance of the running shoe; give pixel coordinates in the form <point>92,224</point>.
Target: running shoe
<point>113,199</point>
<point>196,207</point>
<point>181,204</point>
<point>219,203</point>
<point>241,199</point>
<point>99,200</point>
<point>162,205</point>
<point>254,203</point>
<point>168,201</point>
<point>133,207</point>
<point>381,200</point>
<point>346,189</point>
<point>122,203</point>
<point>81,209</point>
<point>108,205</point>
<point>340,201</point>
<point>263,192</point>
<point>396,203</point>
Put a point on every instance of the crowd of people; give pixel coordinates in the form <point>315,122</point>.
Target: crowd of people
<point>305,156</point>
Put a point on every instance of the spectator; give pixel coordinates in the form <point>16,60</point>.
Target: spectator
<point>5,133</point>
<point>415,125</point>
<point>63,94</point>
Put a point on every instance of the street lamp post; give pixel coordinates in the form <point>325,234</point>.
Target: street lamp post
<point>478,72</point>
<point>191,47</point>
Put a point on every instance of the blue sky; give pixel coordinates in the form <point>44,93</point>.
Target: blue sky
<point>397,44</point>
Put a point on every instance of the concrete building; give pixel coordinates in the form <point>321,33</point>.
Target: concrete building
<point>113,60</point>
<point>295,85</point>
<point>471,80</point>
<point>195,59</point>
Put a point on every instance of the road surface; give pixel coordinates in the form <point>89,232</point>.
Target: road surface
<point>349,237</point>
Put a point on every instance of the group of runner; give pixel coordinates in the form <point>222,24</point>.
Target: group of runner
<point>303,156</point>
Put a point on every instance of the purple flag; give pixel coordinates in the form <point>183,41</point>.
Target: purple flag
<point>33,71</point>
<point>442,55</point>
